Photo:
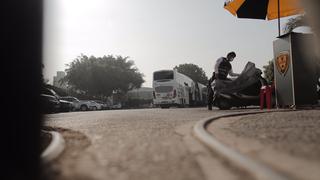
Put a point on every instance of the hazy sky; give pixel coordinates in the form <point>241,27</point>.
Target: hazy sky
<point>156,34</point>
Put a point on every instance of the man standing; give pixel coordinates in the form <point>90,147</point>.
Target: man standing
<point>223,67</point>
<point>221,70</point>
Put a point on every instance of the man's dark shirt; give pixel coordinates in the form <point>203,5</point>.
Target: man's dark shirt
<point>222,68</point>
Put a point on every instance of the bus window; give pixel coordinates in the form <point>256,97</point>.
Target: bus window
<point>162,75</point>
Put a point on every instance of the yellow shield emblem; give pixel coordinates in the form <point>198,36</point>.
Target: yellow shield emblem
<point>282,62</point>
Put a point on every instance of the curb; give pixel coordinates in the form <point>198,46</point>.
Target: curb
<point>258,170</point>
<point>55,148</point>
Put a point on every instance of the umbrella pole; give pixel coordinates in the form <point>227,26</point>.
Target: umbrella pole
<point>279,17</point>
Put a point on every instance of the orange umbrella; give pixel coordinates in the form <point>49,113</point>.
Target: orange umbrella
<point>264,9</point>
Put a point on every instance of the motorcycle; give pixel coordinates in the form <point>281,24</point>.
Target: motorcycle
<point>240,92</point>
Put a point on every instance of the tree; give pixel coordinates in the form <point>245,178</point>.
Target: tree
<point>193,71</point>
<point>102,76</point>
<point>294,23</point>
<point>268,71</point>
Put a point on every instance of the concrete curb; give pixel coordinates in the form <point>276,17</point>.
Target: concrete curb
<point>256,169</point>
<point>55,147</point>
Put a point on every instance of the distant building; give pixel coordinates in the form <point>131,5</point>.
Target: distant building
<point>56,80</point>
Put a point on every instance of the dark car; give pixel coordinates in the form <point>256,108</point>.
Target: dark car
<point>75,102</point>
<point>49,91</point>
<point>65,106</point>
<point>50,104</point>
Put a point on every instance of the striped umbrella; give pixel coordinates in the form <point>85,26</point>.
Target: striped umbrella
<point>264,9</point>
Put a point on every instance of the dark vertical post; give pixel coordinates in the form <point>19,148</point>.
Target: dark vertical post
<point>21,81</point>
<point>279,17</point>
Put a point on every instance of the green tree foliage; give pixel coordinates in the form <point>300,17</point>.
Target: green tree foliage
<point>193,71</point>
<point>101,76</point>
<point>294,23</point>
<point>268,71</point>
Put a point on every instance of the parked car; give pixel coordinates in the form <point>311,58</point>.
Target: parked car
<point>82,105</point>
<point>116,106</point>
<point>65,106</point>
<point>103,104</point>
<point>50,104</point>
<point>95,106</point>
<point>75,102</point>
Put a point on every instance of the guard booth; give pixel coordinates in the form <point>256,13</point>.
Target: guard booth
<point>295,70</point>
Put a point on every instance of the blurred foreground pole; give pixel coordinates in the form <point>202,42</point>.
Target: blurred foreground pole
<point>21,80</point>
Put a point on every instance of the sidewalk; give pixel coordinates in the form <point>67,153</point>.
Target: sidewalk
<point>287,141</point>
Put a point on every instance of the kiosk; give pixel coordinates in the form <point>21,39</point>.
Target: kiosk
<point>295,70</point>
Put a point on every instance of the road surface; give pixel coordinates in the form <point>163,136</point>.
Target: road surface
<point>158,144</point>
<point>133,144</point>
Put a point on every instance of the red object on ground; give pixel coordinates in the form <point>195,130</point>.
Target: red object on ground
<point>265,93</point>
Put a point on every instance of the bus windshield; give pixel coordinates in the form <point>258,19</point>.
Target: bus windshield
<point>163,89</point>
<point>162,75</point>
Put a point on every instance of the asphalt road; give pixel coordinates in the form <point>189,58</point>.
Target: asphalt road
<point>158,144</point>
<point>133,144</point>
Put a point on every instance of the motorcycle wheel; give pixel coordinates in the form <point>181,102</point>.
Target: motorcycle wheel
<point>224,104</point>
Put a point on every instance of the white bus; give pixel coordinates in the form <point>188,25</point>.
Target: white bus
<point>171,88</point>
